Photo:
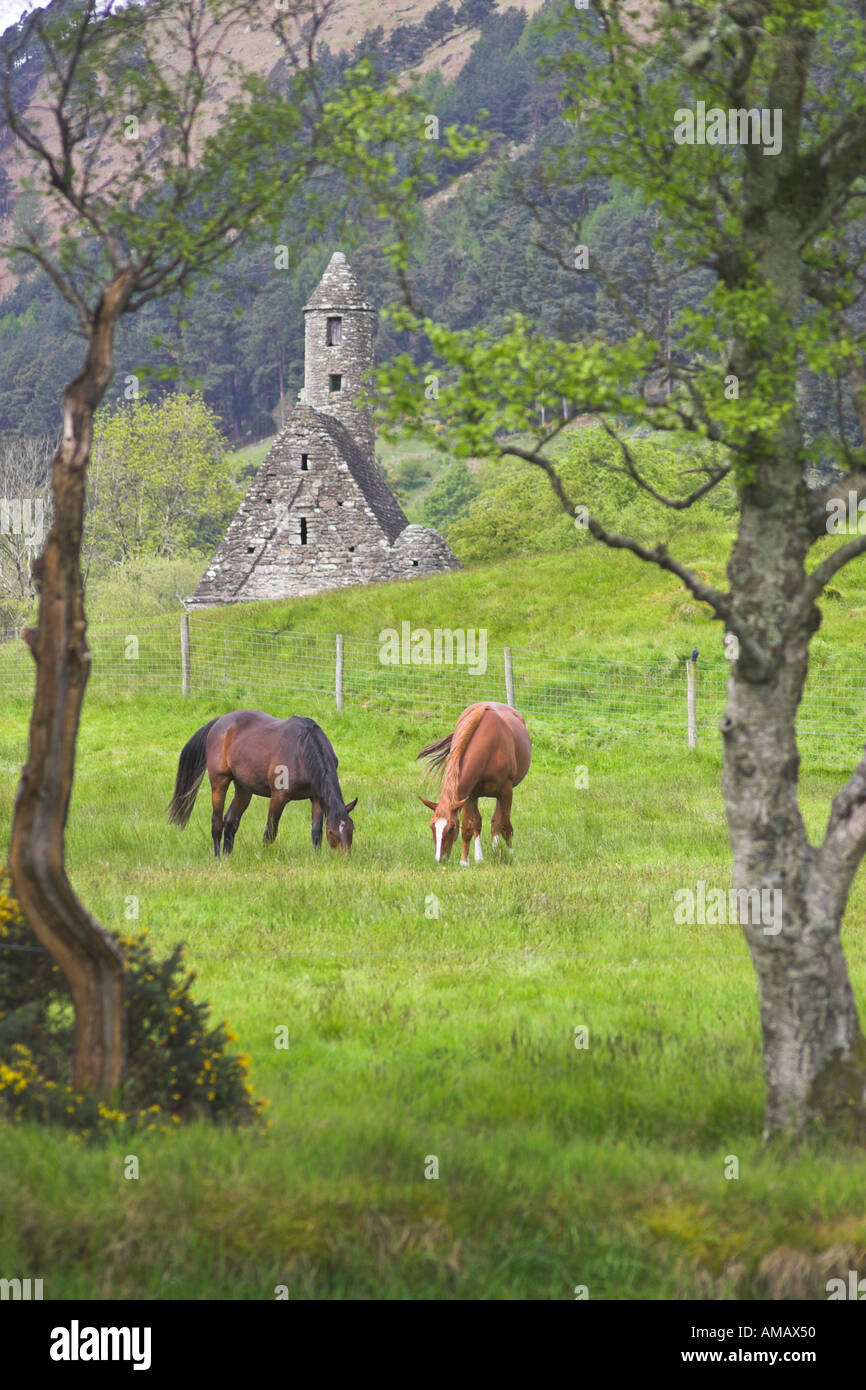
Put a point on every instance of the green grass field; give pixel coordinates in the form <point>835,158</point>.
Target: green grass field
<point>413,1036</point>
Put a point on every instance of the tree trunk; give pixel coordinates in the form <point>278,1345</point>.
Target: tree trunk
<point>88,957</point>
<point>814,1053</point>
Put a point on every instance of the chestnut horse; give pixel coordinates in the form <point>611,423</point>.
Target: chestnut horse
<point>487,755</point>
<point>282,759</point>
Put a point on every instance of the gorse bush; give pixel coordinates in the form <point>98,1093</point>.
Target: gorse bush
<point>178,1067</point>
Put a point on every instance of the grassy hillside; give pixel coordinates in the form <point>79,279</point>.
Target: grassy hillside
<point>580,605</point>
<point>585,601</point>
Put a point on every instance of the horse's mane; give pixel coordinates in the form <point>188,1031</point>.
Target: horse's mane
<point>447,752</point>
<point>321,765</point>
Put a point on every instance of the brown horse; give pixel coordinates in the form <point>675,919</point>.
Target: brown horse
<point>282,759</point>
<point>487,755</point>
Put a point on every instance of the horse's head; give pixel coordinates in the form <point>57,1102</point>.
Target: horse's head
<point>340,827</point>
<point>445,823</point>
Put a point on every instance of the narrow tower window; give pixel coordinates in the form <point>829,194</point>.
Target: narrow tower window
<point>334,332</point>
<point>335,382</point>
<point>303,530</point>
<point>304,463</point>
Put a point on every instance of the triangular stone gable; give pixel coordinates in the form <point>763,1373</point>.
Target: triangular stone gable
<point>377,494</point>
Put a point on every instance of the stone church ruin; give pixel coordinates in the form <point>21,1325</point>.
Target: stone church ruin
<point>318,514</point>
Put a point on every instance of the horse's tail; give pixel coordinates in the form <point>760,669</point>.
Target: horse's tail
<point>438,754</point>
<point>190,771</point>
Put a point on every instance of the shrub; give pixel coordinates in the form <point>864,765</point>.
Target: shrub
<point>178,1068</point>
<point>450,497</point>
<point>516,512</point>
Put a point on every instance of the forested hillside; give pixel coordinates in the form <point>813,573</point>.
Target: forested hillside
<point>499,236</point>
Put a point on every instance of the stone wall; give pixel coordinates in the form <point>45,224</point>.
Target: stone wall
<point>419,550</point>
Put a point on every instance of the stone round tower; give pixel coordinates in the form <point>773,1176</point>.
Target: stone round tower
<point>338,336</point>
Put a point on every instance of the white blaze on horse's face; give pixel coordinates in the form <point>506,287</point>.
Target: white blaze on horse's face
<point>438,830</point>
<point>340,834</point>
<point>445,829</point>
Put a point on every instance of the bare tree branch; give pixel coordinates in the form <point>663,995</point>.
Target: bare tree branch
<point>825,571</point>
<point>658,555</point>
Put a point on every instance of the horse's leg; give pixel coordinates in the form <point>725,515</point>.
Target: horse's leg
<point>219,785</point>
<point>501,823</point>
<point>276,806</point>
<point>318,818</point>
<point>240,802</point>
<point>471,831</point>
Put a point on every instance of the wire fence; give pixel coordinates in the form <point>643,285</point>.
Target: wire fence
<point>312,673</point>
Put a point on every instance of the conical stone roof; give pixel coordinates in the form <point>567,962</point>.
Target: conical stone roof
<point>338,288</point>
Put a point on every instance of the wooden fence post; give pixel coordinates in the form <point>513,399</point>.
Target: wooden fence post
<point>692,699</point>
<point>338,683</point>
<point>184,653</point>
<point>509,679</point>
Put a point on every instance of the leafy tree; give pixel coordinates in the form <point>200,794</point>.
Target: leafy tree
<point>174,197</point>
<point>515,512</point>
<point>407,44</point>
<point>474,12</point>
<point>449,497</point>
<point>770,239</point>
<point>438,22</point>
<point>160,482</point>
